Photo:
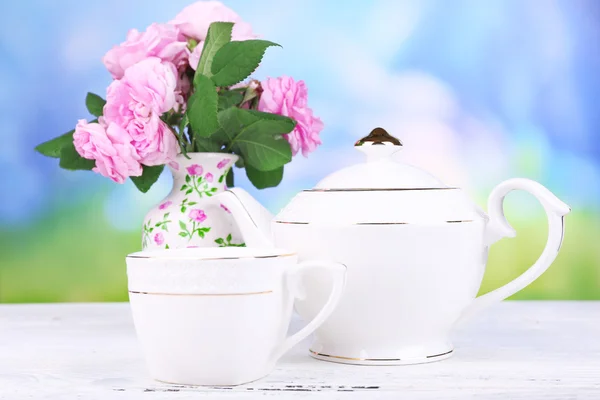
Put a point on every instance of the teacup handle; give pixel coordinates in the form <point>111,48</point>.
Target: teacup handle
<point>338,273</point>
<point>498,227</point>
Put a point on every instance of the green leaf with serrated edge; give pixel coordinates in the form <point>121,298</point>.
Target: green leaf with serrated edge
<point>257,140</point>
<point>182,225</point>
<point>202,108</point>
<point>229,99</point>
<point>230,180</point>
<point>208,145</point>
<point>181,135</point>
<point>148,177</point>
<point>219,34</point>
<point>95,104</point>
<point>264,179</point>
<point>235,61</point>
<point>52,147</point>
<point>70,159</point>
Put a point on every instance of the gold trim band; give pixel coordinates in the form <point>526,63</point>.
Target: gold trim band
<point>376,223</point>
<point>375,189</point>
<point>374,359</point>
<point>214,258</point>
<point>203,294</point>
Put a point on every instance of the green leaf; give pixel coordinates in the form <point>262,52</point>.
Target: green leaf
<point>202,108</point>
<point>52,147</point>
<point>187,180</point>
<point>221,178</point>
<point>208,145</point>
<point>181,136</point>
<point>235,61</point>
<point>189,191</point>
<point>219,34</point>
<point>229,99</point>
<point>148,177</point>
<point>183,234</point>
<point>192,203</point>
<point>95,104</point>
<point>264,179</point>
<point>70,159</point>
<point>229,237</point>
<point>182,225</point>
<point>257,139</point>
<point>230,181</point>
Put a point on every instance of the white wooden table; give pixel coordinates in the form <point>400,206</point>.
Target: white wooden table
<point>529,350</point>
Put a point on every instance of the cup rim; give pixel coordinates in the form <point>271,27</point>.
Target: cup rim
<point>213,253</point>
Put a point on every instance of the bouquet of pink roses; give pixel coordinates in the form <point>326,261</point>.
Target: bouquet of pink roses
<point>184,87</point>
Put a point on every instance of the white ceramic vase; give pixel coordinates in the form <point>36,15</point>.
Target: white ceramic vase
<point>192,215</point>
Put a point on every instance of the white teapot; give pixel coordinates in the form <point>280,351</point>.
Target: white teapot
<point>415,252</point>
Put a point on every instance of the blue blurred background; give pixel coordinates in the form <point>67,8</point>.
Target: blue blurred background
<point>478,91</point>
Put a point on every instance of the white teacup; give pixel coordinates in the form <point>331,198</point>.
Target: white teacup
<point>219,316</point>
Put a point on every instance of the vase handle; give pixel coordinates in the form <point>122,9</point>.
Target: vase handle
<point>251,224</point>
<point>498,227</point>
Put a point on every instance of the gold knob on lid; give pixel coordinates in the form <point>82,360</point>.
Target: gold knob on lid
<point>378,136</point>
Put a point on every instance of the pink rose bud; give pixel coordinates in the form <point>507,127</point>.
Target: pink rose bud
<point>284,96</point>
<point>197,215</point>
<point>195,170</point>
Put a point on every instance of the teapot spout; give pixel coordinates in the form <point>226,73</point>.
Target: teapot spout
<point>255,225</point>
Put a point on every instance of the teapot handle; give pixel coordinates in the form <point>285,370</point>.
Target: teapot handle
<point>251,230</point>
<point>498,227</point>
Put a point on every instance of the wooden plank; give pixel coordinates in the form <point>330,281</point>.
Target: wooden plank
<point>528,350</point>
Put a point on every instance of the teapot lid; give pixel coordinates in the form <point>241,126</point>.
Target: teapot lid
<point>380,171</point>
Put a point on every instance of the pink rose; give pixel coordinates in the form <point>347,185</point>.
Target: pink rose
<point>208,177</point>
<point>223,163</point>
<point>225,208</point>
<point>195,170</point>
<point>159,40</point>
<point>197,215</point>
<point>164,205</point>
<point>110,147</point>
<point>284,96</point>
<point>159,238</point>
<point>193,21</point>
<point>136,103</point>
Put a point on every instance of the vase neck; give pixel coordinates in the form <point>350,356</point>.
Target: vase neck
<point>204,173</point>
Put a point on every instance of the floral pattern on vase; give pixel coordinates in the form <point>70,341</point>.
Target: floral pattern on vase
<point>189,216</point>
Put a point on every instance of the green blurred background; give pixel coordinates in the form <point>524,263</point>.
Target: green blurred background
<point>478,91</point>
